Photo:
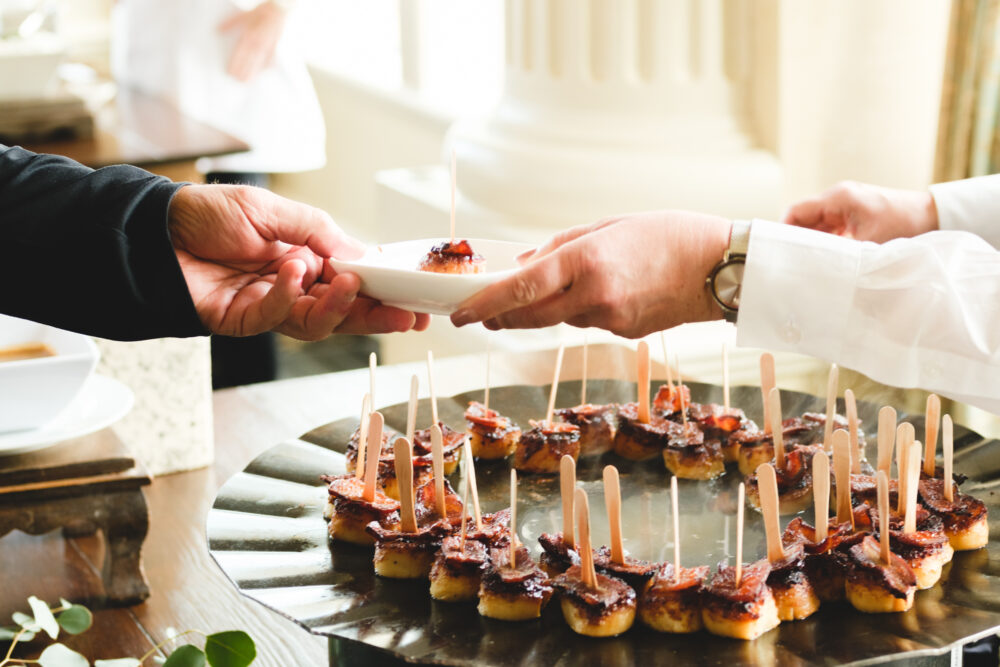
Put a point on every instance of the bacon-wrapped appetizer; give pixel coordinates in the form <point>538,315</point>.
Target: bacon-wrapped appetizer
<point>596,424</point>
<point>926,550</point>
<point>351,513</point>
<point>605,611</point>
<point>718,424</point>
<point>638,441</point>
<point>513,593</point>
<point>756,446</point>
<point>541,448</point>
<point>422,471</point>
<point>742,610</point>
<point>491,435</point>
<point>406,555</point>
<point>453,257</point>
<point>688,455</point>
<point>635,572</point>
<point>426,504</point>
<point>826,562</point>
<point>794,481</point>
<point>875,586</point>
<point>351,454</point>
<point>964,517</point>
<point>451,441</point>
<point>557,556</point>
<point>457,570</point>
<point>671,399</point>
<point>792,589</point>
<point>673,603</point>
<point>495,531</point>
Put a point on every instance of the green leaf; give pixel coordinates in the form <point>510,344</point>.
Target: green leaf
<point>8,633</point>
<point>118,662</point>
<point>25,621</point>
<point>59,655</point>
<point>76,619</point>
<point>44,617</point>
<point>188,655</point>
<point>234,648</point>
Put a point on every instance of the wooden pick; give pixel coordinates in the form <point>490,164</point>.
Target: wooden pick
<point>931,422</point>
<point>821,493</point>
<point>677,527</point>
<point>587,573</point>
<point>842,473</point>
<point>465,509</point>
<point>411,409</point>
<point>372,361</point>
<point>486,388</point>
<point>404,476</point>
<point>437,460</point>
<point>680,395</point>
<point>883,514</point>
<point>555,385</point>
<point>831,405</point>
<point>513,518</point>
<point>567,485</point>
<point>774,410</point>
<point>740,495</point>
<point>613,505</point>
<point>886,438</point>
<point>470,473</point>
<point>430,387</point>
<point>666,361</point>
<point>912,477</point>
<point>583,380</point>
<point>767,487</point>
<point>767,383</point>
<point>454,183</point>
<point>852,430</point>
<point>948,443</point>
<point>725,377</point>
<point>375,423</point>
<point>366,409</point>
<point>904,437</point>
<point>642,380</point>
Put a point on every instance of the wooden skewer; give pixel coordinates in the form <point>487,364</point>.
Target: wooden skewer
<point>904,438</point>
<point>677,527</point>
<point>587,572</point>
<point>821,493</point>
<point>430,387</point>
<point>375,423</point>
<point>883,514</point>
<point>372,361</point>
<point>831,405</point>
<point>454,182</point>
<point>583,381</point>
<point>767,383</point>
<point>725,376</point>
<point>767,486</point>
<point>613,505</point>
<point>886,438</point>
<point>513,518</point>
<point>411,409</point>
<point>470,473</point>
<point>555,385</point>
<point>465,509</point>
<point>774,410</point>
<point>931,422</point>
<point>912,477</point>
<point>852,430</point>
<point>842,473</point>
<point>404,476</point>
<point>486,389</point>
<point>366,408</point>
<point>948,444</point>
<point>567,485</point>
<point>642,380</point>
<point>680,395</point>
<point>740,494</point>
<point>437,460</point>
<point>666,361</point>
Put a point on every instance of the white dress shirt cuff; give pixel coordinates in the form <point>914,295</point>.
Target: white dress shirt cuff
<point>971,205</point>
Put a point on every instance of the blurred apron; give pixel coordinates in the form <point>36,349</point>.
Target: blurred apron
<point>173,49</point>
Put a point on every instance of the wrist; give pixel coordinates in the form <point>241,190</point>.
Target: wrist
<point>724,281</point>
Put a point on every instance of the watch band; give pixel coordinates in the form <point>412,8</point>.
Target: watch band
<point>726,279</point>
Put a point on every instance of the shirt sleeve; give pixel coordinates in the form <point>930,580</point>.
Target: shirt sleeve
<point>972,205</point>
<point>90,251</point>
<point>915,312</point>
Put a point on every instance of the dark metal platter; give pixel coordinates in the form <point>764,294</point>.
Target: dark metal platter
<point>267,533</point>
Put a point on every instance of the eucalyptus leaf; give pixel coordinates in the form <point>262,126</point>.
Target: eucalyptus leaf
<point>44,617</point>
<point>76,619</point>
<point>25,621</point>
<point>234,648</point>
<point>64,603</point>
<point>187,655</point>
<point>8,633</point>
<point>60,655</point>
<point>118,662</point>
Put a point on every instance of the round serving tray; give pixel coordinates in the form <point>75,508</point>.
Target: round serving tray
<point>266,531</point>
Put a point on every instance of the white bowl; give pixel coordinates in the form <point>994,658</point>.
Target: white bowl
<point>34,391</point>
<point>389,273</point>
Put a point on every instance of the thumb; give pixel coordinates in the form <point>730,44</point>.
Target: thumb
<point>299,224</point>
<point>806,213</point>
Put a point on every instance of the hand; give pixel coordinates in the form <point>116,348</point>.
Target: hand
<point>259,31</point>
<point>630,275</point>
<point>867,212</point>
<point>254,261</point>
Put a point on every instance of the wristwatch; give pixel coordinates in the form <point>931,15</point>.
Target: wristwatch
<point>725,282</point>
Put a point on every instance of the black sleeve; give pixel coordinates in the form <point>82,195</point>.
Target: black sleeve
<point>89,250</point>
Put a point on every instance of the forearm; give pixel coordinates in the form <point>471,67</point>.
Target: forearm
<point>89,250</point>
<point>918,312</point>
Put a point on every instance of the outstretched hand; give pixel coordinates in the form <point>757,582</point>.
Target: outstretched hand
<point>866,212</point>
<point>631,275</point>
<point>255,262</point>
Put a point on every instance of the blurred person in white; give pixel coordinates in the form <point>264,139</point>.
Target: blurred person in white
<point>905,287</point>
<point>234,65</point>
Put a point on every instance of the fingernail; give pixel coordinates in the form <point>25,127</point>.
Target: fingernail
<point>492,325</point>
<point>464,316</point>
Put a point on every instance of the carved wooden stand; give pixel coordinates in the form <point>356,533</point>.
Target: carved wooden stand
<point>81,486</point>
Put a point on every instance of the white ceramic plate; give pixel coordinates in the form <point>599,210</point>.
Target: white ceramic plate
<point>101,402</point>
<point>389,273</point>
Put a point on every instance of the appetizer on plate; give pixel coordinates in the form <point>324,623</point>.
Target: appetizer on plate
<point>453,257</point>
<point>491,435</point>
<point>673,603</point>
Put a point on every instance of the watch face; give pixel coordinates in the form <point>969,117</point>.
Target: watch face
<point>728,282</point>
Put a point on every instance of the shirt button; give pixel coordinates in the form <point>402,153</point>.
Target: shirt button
<point>790,332</point>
